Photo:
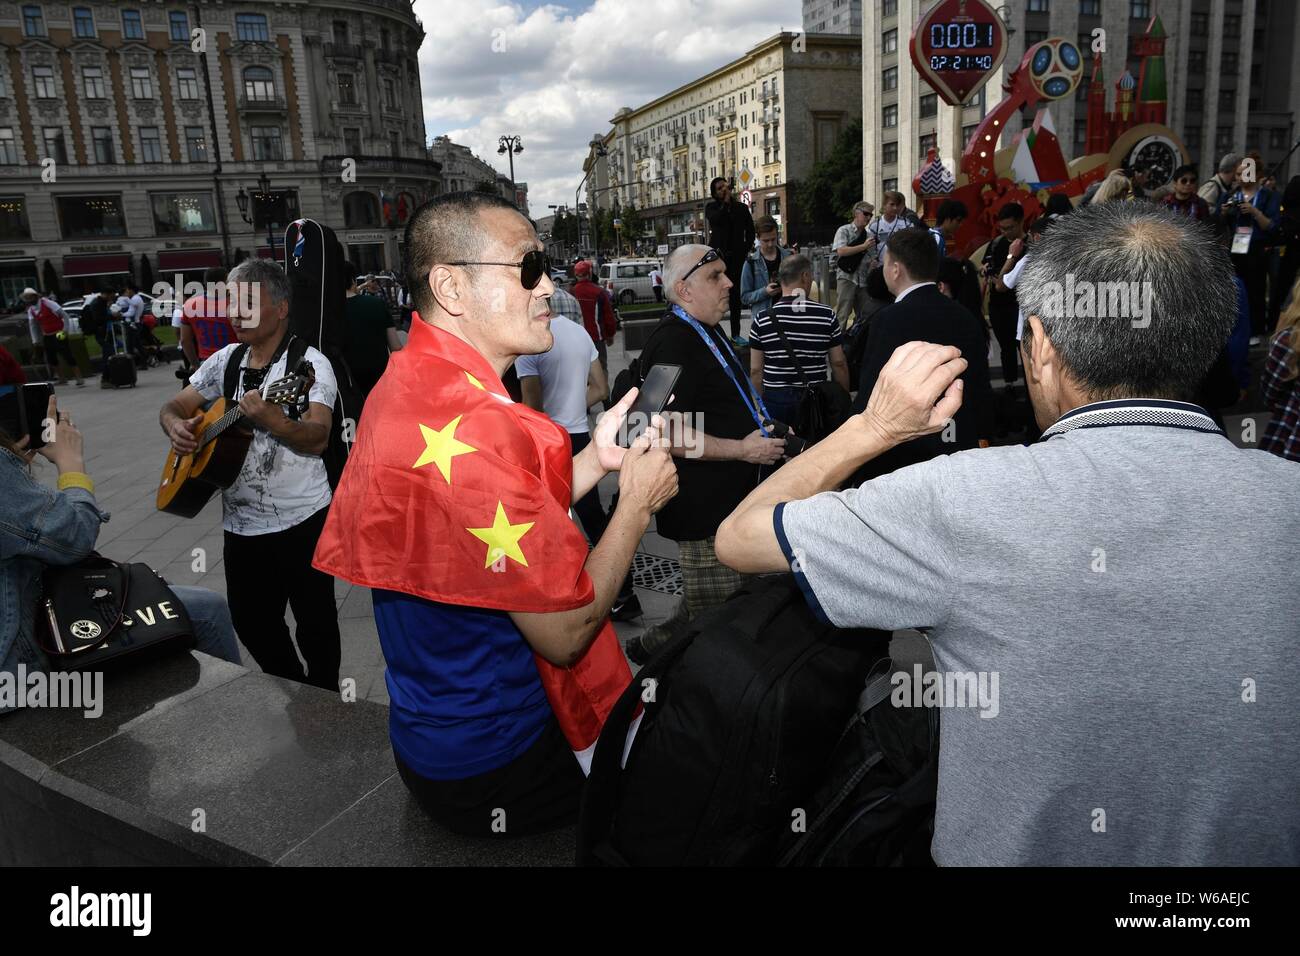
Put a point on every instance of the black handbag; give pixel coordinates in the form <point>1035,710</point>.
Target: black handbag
<point>99,610</point>
<point>825,406</point>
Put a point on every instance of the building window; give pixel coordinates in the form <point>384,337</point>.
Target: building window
<point>384,39</point>
<point>340,33</point>
<point>141,83</point>
<point>1277,138</point>
<point>8,147</point>
<point>1230,63</point>
<point>1038,6</point>
<point>187,84</point>
<point>889,79</point>
<point>195,145</point>
<point>1139,9</point>
<point>929,105</point>
<point>1195,62</point>
<point>267,143</point>
<point>890,185</point>
<point>102,137</point>
<point>1227,100</point>
<point>347,90</point>
<point>967,132</point>
<point>259,84</point>
<point>1089,8</point>
<point>251,27</point>
<point>1192,137</point>
<point>87,217</point>
<point>83,23</point>
<point>889,116</point>
<point>1223,139</point>
<point>281,208</point>
<point>13,218</point>
<point>1080,131</point>
<point>150,145</point>
<point>394,144</point>
<point>352,140</point>
<point>182,213</point>
<point>33,21</point>
<point>92,78</point>
<point>360,209</point>
<point>927,142</point>
<point>889,42</point>
<point>390,93</point>
<point>43,82</point>
<point>55,146</point>
<point>180,25</point>
<point>1200,24</point>
<point>132,27</point>
<point>1034,36</point>
<point>1195,100</point>
<point>888,153</point>
<point>889,8</point>
<point>1232,25</point>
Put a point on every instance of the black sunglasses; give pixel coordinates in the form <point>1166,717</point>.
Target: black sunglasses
<point>535,264</point>
<point>710,256</point>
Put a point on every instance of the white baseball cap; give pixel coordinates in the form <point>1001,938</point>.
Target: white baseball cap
<point>30,291</point>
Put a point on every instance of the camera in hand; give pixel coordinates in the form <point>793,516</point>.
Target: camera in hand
<point>793,443</point>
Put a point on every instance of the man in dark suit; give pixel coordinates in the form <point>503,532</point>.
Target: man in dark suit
<point>922,312</point>
<point>731,232</point>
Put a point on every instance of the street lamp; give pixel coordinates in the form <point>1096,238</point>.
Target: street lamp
<point>263,195</point>
<point>511,145</point>
<point>598,146</point>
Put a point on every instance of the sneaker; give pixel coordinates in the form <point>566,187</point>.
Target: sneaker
<point>626,610</point>
<point>740,342</point>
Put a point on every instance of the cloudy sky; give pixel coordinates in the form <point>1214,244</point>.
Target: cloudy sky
<point>556,73</point>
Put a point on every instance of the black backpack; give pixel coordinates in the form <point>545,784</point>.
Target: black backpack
<point>743,708</point>
<point>825,406</point>
<point>849,264</point>
<point>875,805</point>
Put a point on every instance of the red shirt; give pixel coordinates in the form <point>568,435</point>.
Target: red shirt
<point>597,307</point>
<point>11,373</point>
<point>46,317</point>
<point>207,320</point>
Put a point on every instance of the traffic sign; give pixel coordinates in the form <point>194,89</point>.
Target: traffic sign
<point>747,197</point>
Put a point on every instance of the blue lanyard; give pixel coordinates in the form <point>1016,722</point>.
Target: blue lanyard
<point>745,393</point>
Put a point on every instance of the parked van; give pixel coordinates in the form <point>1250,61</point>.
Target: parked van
<point>628,280</point>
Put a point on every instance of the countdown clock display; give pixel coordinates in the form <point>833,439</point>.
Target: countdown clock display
<point>957,45</point>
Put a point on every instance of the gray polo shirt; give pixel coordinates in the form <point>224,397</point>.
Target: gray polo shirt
<point>1132,579</point>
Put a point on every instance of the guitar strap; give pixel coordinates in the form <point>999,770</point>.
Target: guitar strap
<point>230,381</point>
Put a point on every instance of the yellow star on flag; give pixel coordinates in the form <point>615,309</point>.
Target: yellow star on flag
<point>502,538</point>
<point>475,382</point>
<point>441,446</point>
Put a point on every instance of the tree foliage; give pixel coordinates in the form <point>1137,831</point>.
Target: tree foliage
<point>826,196</point>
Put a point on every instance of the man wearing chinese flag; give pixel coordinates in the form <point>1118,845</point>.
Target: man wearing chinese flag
<point>454,508</point>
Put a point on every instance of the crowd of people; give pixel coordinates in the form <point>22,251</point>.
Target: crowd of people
<point>478,446</point>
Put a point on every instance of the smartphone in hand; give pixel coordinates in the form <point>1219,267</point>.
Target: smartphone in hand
<point>651,400</point>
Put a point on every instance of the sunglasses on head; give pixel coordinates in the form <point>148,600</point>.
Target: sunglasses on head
<point>710,256</point>
<point>534,265</point>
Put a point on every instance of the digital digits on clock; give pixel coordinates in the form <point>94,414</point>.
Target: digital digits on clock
<point>961,36</point>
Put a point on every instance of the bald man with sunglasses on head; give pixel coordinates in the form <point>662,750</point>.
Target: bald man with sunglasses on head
<point>492,613</point>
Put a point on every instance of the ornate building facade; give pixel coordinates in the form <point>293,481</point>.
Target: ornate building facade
<point>128,132</point>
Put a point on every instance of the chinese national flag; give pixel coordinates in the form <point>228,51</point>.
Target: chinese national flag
<point>456,494</point>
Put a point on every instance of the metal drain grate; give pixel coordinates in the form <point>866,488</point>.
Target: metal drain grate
<point>656,574</point>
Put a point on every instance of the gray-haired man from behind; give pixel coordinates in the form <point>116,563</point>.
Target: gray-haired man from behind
<point>1108,576</point>
<point>274,511</point>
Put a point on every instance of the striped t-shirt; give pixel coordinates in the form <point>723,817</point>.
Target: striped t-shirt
<point>812,330</point>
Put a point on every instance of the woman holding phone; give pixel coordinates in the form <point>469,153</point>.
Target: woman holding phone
<point>41,527</point>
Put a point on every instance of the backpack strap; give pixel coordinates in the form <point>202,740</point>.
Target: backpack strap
<point>785,343</point>
<point>230,380</point>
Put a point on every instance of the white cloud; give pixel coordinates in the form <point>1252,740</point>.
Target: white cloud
<point>556,74</point>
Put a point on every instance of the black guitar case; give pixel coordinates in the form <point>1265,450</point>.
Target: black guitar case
<point>314,263</point>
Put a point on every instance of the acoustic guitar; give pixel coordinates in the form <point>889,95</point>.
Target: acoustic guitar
<point>188,481</point>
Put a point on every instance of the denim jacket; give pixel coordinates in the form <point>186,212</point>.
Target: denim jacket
<point>38,527</point>
<point>753,281</point>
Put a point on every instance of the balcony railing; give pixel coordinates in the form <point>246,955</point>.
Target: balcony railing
<point>385,164</point>
<point>262,104</point>
<point>344,51</point>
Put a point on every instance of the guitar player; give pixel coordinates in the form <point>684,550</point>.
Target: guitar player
<point>274,511</point>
